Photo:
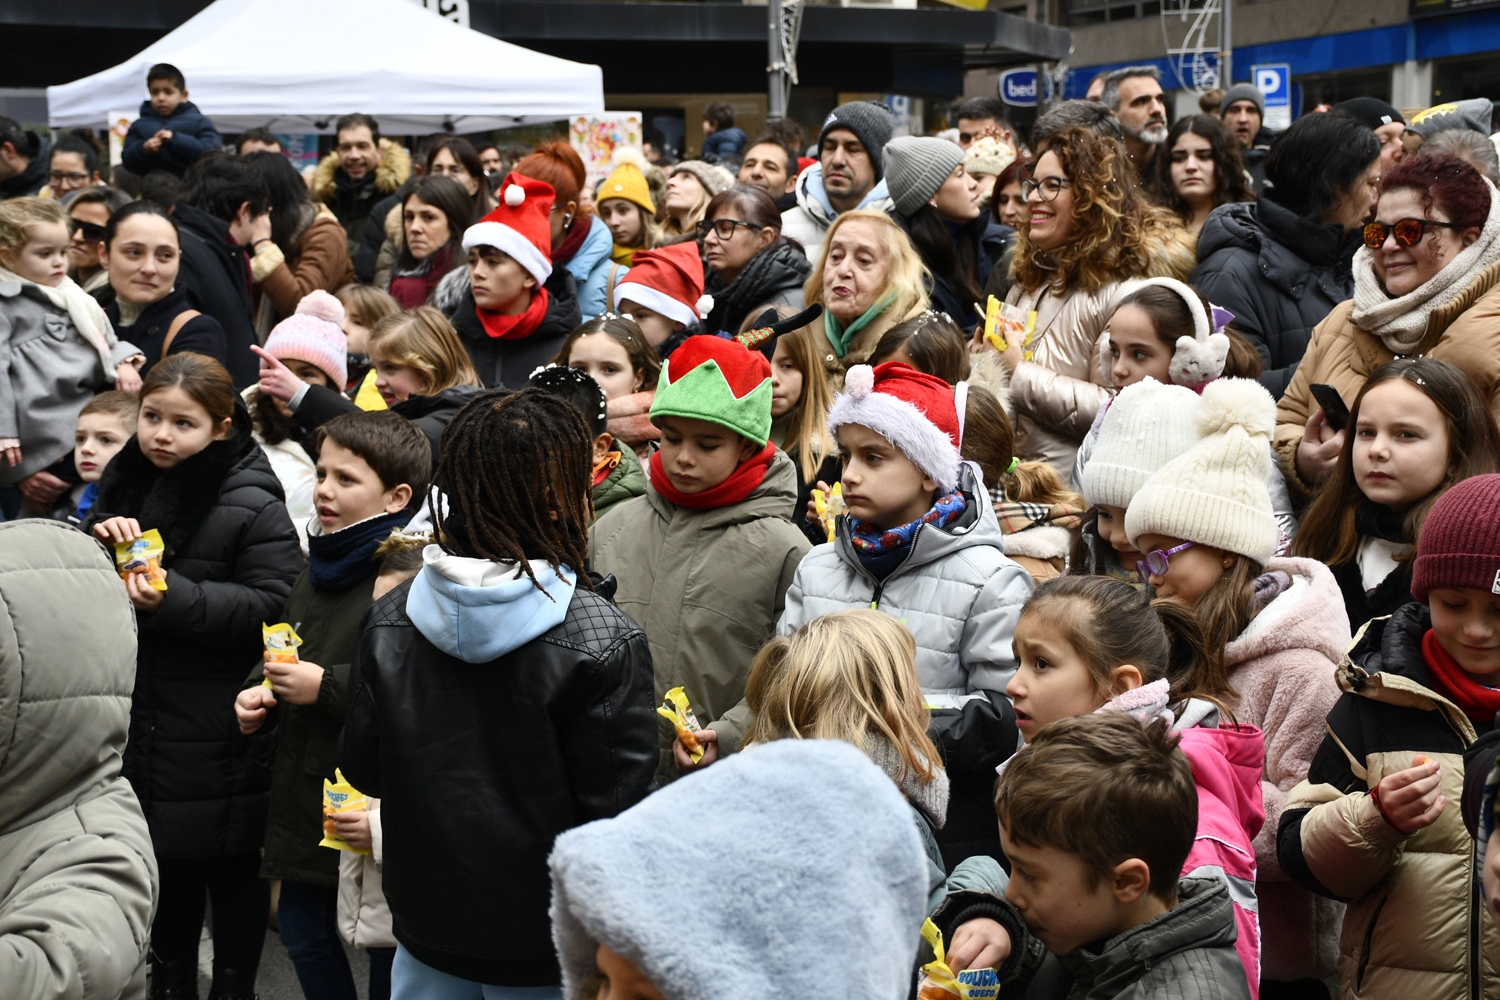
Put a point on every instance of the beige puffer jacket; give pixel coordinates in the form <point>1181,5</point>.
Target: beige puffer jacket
<point>78,876</point>
<point>363,914</point>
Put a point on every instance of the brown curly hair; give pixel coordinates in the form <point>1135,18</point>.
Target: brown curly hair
<point>1114,227</point>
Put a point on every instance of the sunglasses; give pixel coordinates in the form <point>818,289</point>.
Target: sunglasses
<point>1408,232</point>
<point>1157,562</point>
<point>92,231</point>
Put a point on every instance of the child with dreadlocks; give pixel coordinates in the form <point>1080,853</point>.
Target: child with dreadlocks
<point>497,700</point>
<point>704,559</point>
<point>617,472</point>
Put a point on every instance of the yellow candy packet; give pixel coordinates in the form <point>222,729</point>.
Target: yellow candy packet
<point>143,556</point>
<point>1004,322</point>
<point>339,796</point>
<point>281,642</point>
<point>829,505</point>
<point>679,713</point>
<point>939,982</point>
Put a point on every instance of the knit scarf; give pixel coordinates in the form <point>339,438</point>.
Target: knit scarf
<point>340,559</point>
<point>930,797</point>
<point>840,336</point>
<point>881,550</point>
<point>1376,520</point>
<point>1477,701</point>
<point>743,481</point>
<point>519,326</point>
<point>572,242</point>
<point>1401,321</point>
<point>624,256</point>
<point>82,309</point>
<point>414,287</point>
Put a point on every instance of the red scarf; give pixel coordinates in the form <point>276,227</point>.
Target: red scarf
<point>741,482</point>
<point>1478,702</point>
<point>519,326</point>
<point>573,241</point>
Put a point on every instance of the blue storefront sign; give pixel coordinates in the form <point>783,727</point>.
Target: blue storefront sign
<point>1018,88</point>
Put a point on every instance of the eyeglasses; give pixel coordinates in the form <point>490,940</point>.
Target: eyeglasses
<point>91,231</point>
<point>1157,562</point>
<point>1048,188</point>
<point>722,228</point>
<point>57,178</point>
<point>1408,232</point>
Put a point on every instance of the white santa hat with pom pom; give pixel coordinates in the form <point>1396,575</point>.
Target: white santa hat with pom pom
<point>520,226</point>
<point>1215,493</point>
<point>315,334</point>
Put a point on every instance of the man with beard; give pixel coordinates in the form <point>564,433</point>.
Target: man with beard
<point>1134,96</point>
<point>849,173</point>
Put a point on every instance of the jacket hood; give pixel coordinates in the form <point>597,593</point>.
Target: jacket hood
<point>597,245</point>
<point>768,914</point>
<point>812,197</point>
<point>1385,664</point>
<point>774,497</point>
<point>975,526</point>
<point>390,174</point>
<point>476,610</point>
<point>1309,614</point>
<point>65,679</point>
<point>1202,918</point>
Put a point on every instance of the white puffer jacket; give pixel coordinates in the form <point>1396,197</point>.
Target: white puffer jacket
<point>957,592</point>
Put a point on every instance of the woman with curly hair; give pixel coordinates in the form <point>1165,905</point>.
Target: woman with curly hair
<point>1090,231</point>
<point>1201,171</point>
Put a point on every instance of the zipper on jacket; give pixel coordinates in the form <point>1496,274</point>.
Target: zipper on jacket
<point>1364,958</point>
<point>1476,891</point>
<point>875,598</point>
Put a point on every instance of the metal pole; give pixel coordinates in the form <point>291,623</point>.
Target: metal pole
<point>776,67</point>
<point>1226,45</point>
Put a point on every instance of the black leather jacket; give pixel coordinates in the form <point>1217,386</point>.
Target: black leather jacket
<point>482,765</point>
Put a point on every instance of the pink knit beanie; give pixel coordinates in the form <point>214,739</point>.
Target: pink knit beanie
<point>315,334</point>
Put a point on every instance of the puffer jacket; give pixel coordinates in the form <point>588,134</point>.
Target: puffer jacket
<point>231,558</point>
<point>1283,668</point>
<point>707,587</point>
<point>509,363</point>
<point>489,717</point>
<point>626,481</point>
<point>1416,924</point>
<point>1279,274</point>
<point>1465,333</point>
<point>590,267</point>
<point>352,201</point>
<point>431,414</point>
<point>149,328</point>
<point>364,917</point>
<point>193,134</point>
<point>78,878</point>
<point>774,277</point>
<point>808,223</point>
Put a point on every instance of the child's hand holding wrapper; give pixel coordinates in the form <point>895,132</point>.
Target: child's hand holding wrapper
<point>694,746</point>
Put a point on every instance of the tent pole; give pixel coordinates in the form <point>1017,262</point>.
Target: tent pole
<point>776,66</point>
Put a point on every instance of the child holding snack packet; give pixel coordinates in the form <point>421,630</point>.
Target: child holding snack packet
<point>497,700</point>
<point>194,474</point>
<point>371,467</point>
<point>705,557</point>
<point>920,543</point>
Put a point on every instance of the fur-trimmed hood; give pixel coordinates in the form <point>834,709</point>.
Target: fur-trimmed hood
<point>392,171</point>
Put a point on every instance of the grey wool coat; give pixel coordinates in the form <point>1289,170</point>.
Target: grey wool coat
<point>48,372</point>
<point>78,877</point>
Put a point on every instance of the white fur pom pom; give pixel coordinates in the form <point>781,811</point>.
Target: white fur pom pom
<point>515,194</point>
<point>1195,362</point>
<point>860,381</point>
<point>704,306</point>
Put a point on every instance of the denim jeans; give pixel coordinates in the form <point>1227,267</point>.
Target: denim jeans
<point>411,980</point>
<point>307,919</point>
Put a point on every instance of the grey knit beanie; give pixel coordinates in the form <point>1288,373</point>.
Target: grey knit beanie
<point>868,120</point>
<point>915,167</point>
<point>1473,114</point>
<point>1243,92</point>
<point>715,179</point>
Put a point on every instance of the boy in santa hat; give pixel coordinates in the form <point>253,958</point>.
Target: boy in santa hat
<point>663,293</point>
<point>920,542</point>
<point>518,309</point>
<point>704,559</point>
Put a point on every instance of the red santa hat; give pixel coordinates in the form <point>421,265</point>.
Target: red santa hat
<point>520,226</point>
<point>912,410</point>
<point>668,280</point>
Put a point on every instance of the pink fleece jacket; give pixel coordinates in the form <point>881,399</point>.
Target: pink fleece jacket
<point>1283,666</point>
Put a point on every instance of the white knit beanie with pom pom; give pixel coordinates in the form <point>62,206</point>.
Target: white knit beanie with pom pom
<point>1146,426</point>
<point>315,334</point>
<point>1215,493</point>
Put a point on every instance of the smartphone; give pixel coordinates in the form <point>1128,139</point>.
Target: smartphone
<point>1334,410</point>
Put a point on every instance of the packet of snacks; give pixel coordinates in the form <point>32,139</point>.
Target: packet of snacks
<point>339,796</point>
<point>679,713</point>
<point>829,505</point>
<point>143,557</point>
<point>281,642</point>
<point>1005,323</point>
<point>939,982</point>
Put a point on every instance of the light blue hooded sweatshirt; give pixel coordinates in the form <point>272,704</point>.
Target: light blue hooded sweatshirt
<point>590,269</point>
<point>477,611</point>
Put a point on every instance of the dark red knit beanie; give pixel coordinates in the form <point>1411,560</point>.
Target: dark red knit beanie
<point>1460,543</point>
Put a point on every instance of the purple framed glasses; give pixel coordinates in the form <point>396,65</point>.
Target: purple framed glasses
<point>1158,561</point>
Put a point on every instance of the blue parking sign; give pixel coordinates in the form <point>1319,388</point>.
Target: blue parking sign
<point>1274,80</point>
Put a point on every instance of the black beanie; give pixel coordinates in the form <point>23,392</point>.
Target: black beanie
<point>868,120</point>
<point>1370,112</point>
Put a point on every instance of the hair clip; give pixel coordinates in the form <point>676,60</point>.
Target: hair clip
<point>1014,462</point>
<point>1219,317</point>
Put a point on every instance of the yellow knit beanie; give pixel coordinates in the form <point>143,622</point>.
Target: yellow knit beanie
<point>628,181</point>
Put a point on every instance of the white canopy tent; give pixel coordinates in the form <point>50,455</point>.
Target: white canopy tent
<point>294,66</point>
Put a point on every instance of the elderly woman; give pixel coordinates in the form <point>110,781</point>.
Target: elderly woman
<point>868,278</point>
<point>1090,231</point>
<point>753,267</point>
<point>1426,284</point>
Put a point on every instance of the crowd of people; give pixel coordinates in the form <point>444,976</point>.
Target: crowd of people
<point>1064,564</point>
